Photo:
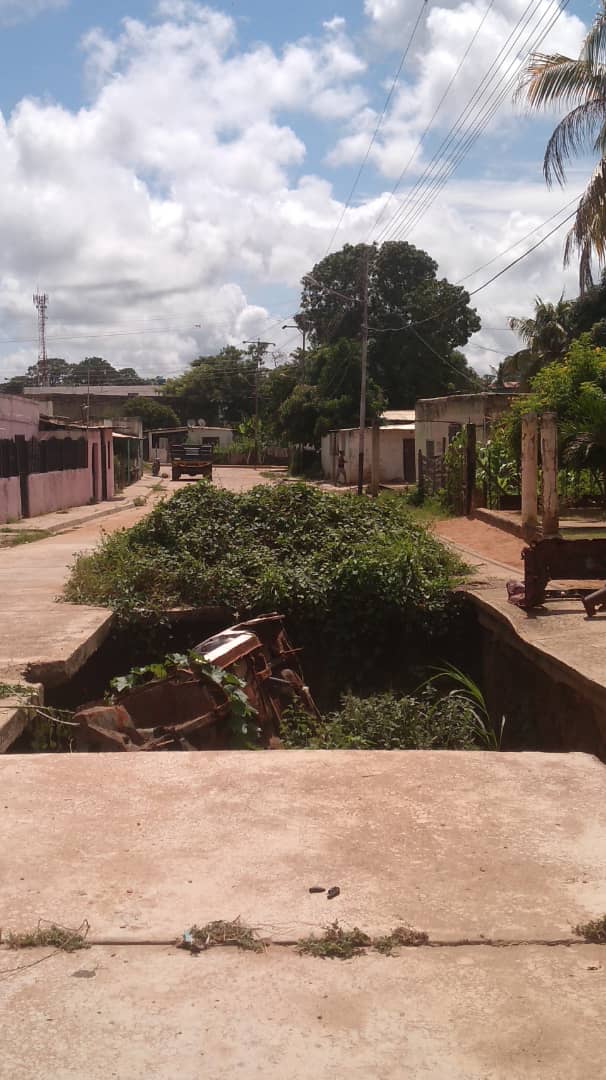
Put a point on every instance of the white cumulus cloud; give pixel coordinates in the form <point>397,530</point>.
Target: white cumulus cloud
<point>181,200</point>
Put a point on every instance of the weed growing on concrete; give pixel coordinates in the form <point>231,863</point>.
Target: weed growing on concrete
<point>336,943</point>
<point>594,930</point>
<point>220,932</point>
<point>340,944</point>
<point>18,690</point>
<point>51,936</point>
<point>401,936</point>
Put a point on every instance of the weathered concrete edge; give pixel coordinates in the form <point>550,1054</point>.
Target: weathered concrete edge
<point>36,523</point>
<point>489,517</point>
<point>13,719</point>
<point>550,664</point>
<point>45,673</point>
<point>56,672</point>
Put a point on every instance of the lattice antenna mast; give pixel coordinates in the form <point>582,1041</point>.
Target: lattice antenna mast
<point>41,303</point>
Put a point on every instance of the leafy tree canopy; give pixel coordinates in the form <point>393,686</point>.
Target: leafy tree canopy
<point>574,388</point>
<point>64,373</point>
<point>152,413</point>
<point>417,321</point>
<point>218,389</point>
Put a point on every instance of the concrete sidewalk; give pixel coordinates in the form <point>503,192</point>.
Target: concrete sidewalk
<point>40,636</point>
<point>64,520</point>
<point>502,849</point>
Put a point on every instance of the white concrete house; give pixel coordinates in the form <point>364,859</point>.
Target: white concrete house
<point>396,451</point>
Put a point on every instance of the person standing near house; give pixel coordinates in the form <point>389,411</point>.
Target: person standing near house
<point>341,477</point>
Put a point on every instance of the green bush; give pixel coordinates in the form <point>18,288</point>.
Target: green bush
<point>357,579</point>
<point>388,722</point>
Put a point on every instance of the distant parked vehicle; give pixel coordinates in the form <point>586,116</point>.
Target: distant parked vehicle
<point>191,461</point>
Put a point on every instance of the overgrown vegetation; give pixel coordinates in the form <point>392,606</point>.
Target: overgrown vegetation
<point>339,944</point>
<point>51,936</point>
<point>388,722</point>
<point>357,579</point>
<point>575,389</point>
<point>594,930</point>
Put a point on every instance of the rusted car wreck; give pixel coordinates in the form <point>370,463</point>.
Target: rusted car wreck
<point>234,695</point>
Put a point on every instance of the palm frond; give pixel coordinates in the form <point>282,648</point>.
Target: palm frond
<point>559,80</point>
<point>582,126</point>
<point>588,234</point>
<point>594,46</point>
<point>524,328</point>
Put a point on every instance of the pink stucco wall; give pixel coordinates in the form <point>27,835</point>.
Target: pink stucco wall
<point>54,490</point>
<point>10,499</point>
<point>58,490</point>
<point>18,417</point>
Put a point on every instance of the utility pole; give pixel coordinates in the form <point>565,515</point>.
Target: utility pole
<point>260,347</point>
<point>363,373</point>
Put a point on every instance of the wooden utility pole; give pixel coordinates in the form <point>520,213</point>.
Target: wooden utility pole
<point>363,374</point>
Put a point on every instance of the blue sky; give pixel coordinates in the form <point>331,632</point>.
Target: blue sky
<point>187,166</point>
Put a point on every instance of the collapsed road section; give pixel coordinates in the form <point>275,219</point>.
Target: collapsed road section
<point>228,693</point>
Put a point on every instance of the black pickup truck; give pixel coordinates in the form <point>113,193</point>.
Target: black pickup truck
<point>191,461</point>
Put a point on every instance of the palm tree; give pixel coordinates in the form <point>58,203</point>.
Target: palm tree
<point>546,337</point>
<point>580,86</point>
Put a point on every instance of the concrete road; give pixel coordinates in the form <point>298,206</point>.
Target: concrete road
<point>233,478</point>
<point>506,849</point>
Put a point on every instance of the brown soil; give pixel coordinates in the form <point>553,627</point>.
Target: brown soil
<point>484,540</point>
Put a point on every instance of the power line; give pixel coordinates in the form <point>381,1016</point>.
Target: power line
<point>519,241</point>
<point>482,105</point>
<point>379,123</point>
<point>435,113</point>
<point>475,102</point>
<point>444,359</point>
<point>480,288</point>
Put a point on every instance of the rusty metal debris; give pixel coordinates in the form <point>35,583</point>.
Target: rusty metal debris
<point>556,559</point>
<point>193,709</point>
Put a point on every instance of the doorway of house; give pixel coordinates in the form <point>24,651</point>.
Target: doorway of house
<point>408,460</point>
<point>95,471</point>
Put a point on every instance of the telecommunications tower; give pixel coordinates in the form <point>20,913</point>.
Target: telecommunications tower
<point>41,303</point>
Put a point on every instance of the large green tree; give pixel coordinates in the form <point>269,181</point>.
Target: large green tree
<point>329,397</point>
<point>219,389</point>
<point>417,321</point>
<point>579,86</point>
<point>153,413</point>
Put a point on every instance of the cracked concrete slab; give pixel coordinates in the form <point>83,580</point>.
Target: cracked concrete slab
<point>457,844</point>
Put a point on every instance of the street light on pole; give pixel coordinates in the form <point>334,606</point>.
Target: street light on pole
<point>260,347</point>
<point>302,330</point>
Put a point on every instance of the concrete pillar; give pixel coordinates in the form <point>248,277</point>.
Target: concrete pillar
<point>530,459</point>
<point>470,468</point>
<point>375,475</point>
<point>549,464</point>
